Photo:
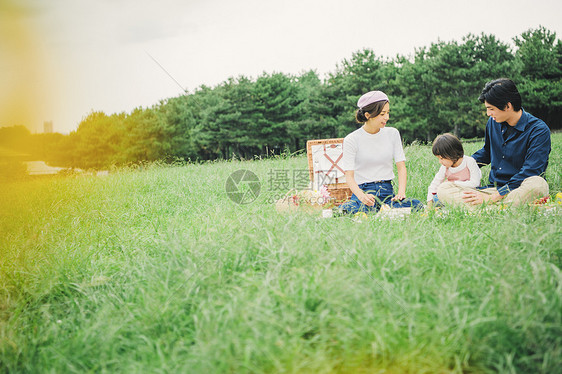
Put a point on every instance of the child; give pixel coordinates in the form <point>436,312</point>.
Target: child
<point>455,166</point>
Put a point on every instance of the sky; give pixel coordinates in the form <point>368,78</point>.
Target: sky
<point>62,59</point>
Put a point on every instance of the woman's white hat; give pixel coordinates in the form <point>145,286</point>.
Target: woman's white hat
<point>371,97</point>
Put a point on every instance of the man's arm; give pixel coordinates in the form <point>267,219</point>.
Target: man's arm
<point>536,160</point>
<point>477,197</point>
<point>482,156</point>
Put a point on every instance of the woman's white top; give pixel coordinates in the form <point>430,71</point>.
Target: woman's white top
<point>372,156</point>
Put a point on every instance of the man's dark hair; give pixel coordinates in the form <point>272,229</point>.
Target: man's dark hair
<point>499,92</point>
<point>448,146</point>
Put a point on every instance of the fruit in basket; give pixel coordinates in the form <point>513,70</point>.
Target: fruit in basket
<point>542,200</point>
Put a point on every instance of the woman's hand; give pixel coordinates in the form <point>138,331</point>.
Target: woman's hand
<point>367,199</point>
<point>399,197</point>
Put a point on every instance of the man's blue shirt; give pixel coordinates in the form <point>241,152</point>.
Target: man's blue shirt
<point>523,154</point>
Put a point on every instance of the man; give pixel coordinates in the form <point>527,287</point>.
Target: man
<point>517,145</point>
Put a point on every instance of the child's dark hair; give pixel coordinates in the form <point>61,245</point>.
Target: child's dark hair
<point>374,109</point>
<point>448,146</point>
<point>499,92</point>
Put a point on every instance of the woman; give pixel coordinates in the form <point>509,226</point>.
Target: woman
<point>368,155</point>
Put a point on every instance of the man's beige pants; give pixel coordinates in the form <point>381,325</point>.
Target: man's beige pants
<point>531,189</point>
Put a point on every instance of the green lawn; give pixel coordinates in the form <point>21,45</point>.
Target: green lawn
<point>157,270</point>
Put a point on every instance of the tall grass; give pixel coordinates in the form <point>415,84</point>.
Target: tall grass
<point>156,270</point>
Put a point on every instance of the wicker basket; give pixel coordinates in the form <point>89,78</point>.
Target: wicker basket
<point>339,192</point>
<point>324,167</point>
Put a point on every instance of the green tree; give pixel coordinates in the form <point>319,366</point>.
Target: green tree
<point>181,114</point>
<point>97,141</point>
<point>52,148</point>
<point>199,113</point>
<point>433,91</point>
<point>540,56</point>
<point>240,118</point>
<point>211,134</point>
<point>363,72</point>
<point>312,119</point>
<point>440,87</point>
<point>145,137</point>
<point>413,111</point>
<point>277,100</point>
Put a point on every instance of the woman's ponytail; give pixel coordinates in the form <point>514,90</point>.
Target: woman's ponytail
<point>373,109</point>
<point>360,116</point>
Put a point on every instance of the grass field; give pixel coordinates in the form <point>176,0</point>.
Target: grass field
<point>157,270</point>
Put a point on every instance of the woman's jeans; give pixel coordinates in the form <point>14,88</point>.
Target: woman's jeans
<point>383,193</point>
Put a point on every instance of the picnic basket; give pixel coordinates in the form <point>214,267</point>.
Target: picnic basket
<point>325,167</point>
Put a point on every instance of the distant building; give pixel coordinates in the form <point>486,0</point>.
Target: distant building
<point>48,127</point>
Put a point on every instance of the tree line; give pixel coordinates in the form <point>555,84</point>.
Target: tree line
<point>432,91</point>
